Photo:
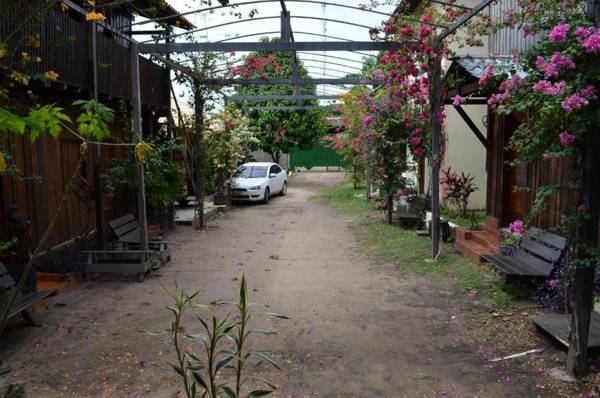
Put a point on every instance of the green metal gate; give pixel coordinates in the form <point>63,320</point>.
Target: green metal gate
<point>320,158</point>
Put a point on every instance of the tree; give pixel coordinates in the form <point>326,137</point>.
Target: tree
<point>279,131</point>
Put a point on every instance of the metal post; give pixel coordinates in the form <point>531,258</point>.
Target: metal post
<point>136,104</point>
<point>96,148</point>
<point>198,174</point>
<point>436,108</point>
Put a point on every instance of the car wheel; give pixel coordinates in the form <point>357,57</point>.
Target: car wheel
<point>284,189</point>
<point>266,196</point>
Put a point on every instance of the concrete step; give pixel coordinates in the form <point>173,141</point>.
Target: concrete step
<point>486,239</point>
<point>490,226</point>
<point>472,250</point>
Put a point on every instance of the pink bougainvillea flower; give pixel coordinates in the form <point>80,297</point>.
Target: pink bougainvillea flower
<point>424,31</point>
<point>574,102</point>
<point>566,139</point>
<point>549,88</point>
<point>457,100</point>
<point>399,192</point>
<point>559,61</point>
<point>487,74</point>
<point>559,33</point>
<point>517,227</point>
<point>592,42</point>
<point>415,140</point>
<point>583,32</point>
<point>419,152</point>
<point>547,156</point>
<point>553,283</point>
<point>526,30</point>
<point>367,121</point>
<point>407,31</point>
<point>589,92</point>
<point>545,67</point>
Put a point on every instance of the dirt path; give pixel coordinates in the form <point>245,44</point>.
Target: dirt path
<point>358,330</point>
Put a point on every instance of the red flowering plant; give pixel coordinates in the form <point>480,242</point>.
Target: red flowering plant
<point>349,140</point>
<point>396,118</point>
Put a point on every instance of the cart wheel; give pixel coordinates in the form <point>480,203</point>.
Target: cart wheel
<point>141,277</point>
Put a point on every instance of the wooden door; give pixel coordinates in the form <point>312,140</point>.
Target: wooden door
<point>515,201</point>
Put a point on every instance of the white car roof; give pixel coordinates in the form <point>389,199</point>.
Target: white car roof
<point>257,164</point>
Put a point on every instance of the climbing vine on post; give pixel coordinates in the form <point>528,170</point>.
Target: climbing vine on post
<point>556,84</point>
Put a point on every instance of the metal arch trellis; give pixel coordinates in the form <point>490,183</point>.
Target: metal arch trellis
<point>238,21</point>
<point>201,10</point>
<point>288,44</point>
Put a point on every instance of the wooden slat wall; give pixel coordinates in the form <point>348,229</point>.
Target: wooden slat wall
<point>53,161</point>
<point>509,40</point>
<point>66,50</point>
<point>556,171</point>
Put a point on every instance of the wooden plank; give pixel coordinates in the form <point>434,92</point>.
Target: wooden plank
<point>545,252</point>
<point>534,265</point>
<point>118,268</point>
<point>548,238</point>
<point>516,266</point>
<point>24,302</point>
<point>557,325</point>
<point>118,222</point>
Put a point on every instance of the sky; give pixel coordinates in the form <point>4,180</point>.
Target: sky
<point>314,62</point>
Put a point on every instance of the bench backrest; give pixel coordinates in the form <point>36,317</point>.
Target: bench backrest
<point>418,204</point>
<point>541,249</point>
<point>123,225</point>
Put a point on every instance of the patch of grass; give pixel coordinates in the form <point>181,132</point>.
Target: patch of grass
<point>463,221</point>
<point>392,244</point>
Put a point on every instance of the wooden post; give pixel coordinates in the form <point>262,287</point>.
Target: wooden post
<point>136,104</point>
<point>582,302</point>
<point>96,148</point>
<point>436,109</point>
<point>198,157</point>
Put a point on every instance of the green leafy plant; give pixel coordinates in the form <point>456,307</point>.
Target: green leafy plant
<point>95,119</point>
<point>223,340</point>
<point>162,176</point>
<point>458,188</point>
<point>48,118</point>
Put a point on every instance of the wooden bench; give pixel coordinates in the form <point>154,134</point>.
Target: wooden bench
<point>127,231</point>
<point>128,262</point>
<point>414,210</point>
<point>23,301</point>
<point>537,255</point>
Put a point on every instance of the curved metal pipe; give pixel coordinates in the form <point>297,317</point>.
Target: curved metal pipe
<point>182,14</point>
<point>329,63</point>
<point>258,19</point>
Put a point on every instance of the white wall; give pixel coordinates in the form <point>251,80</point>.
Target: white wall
<point>260,156</point>
<point>464,152</point>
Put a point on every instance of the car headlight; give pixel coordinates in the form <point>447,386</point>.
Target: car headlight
<point>256,188</point>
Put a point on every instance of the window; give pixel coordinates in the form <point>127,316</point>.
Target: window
<point>252,172</point>
<point>275,169</point>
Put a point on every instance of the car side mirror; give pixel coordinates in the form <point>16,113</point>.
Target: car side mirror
<point>272,175</point>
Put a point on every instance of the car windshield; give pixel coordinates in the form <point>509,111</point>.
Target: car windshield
<point>252,172</point>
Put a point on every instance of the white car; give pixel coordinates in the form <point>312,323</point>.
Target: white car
<point>257,181</point>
